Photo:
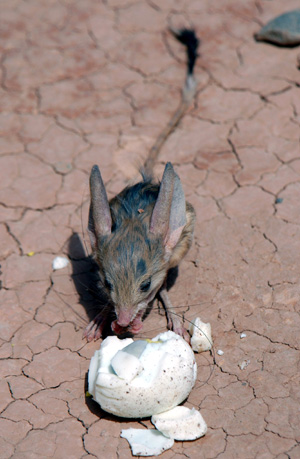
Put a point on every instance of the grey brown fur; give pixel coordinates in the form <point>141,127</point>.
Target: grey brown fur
<point>136,238</point>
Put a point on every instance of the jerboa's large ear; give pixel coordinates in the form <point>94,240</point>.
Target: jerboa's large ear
<point>169,213</point>
<point>99,215</point>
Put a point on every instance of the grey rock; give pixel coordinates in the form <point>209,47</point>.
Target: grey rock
<point>284,30</point>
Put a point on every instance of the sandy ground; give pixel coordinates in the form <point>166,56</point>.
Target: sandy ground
<point>94,82</point>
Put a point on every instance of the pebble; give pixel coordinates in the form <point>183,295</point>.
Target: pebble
<point>244,364</point>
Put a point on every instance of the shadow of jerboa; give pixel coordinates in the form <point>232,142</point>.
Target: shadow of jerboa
<point>86,281</point>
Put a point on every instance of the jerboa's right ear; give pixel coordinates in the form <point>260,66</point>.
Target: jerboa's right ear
<point>169,213</point>
<point>99,215</point>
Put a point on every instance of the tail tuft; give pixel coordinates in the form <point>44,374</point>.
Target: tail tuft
<point>188,38</point>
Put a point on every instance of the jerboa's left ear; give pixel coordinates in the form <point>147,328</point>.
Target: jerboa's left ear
<point>169,213</point>
<point>99,215</point>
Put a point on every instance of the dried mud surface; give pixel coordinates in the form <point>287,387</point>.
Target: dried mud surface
<point>94,82</point>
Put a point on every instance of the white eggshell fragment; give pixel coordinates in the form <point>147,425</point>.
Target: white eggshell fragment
<point>163,378</point>
<point>109,347</point>
<point>200,332</point>
<point>126,366</point>
<point>146,442</point>
<point>244,364</point>
<point>59,263</point>
<point>180,423</point>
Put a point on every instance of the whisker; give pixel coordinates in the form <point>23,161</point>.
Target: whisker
<point>212,350</point>
<point>185,305</point>
<point>88,288</point>
<point>70,307</point>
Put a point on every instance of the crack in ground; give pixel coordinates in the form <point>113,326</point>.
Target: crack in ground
<point>271,242</point>
<point>21,252</point>
<point>270,339</point>
<point>38,102</point>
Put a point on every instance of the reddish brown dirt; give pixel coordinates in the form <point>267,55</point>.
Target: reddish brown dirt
<point>94,82</point>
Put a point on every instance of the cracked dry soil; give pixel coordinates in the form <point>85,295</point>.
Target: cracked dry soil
<point>93,82</point>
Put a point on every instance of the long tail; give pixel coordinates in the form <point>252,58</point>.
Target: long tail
<point>189,39</point>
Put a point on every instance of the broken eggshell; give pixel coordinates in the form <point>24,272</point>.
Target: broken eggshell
<point>200,332</point>
<point>159,374</point>
<point>59,263</point>
<point>180,423</point>
<point>148,442</point>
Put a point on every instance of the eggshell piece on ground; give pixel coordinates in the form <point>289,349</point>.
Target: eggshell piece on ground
<point>180,423</point>
<point>59,263</point>
<point>200,332</point>
<point>146,442</point>
<point>165,375</point>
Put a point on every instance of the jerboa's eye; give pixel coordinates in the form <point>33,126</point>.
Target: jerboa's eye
<point>144,287</point>
<point>108,285</point>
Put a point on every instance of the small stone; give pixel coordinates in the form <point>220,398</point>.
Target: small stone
<point>62,167</point>
<point>220,352</point>
<point>284,30</point>
<point>243,335</point>
<point>244,364</point>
